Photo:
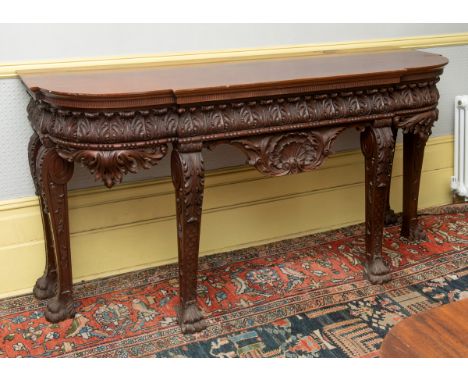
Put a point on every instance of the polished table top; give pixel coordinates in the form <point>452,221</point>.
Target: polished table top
<point>440,332</point>
<point>185,84</point>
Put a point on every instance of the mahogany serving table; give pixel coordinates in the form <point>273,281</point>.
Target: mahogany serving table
<point>283,114</point>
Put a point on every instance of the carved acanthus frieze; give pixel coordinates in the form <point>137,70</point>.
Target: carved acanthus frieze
<point>144,125</point>
<point>110,166</point>
<point>122,126</point>
<point>352,105</point>
<point>103,127</point>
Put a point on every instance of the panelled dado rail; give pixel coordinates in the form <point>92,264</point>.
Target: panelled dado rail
<point>283,114</point>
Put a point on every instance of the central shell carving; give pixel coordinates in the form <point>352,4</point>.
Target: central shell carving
<point>291,153</point>
<point>294,153</point>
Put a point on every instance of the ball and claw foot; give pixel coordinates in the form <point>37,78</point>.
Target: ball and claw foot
<point>190,318</point>
<point>390,217</point>
<point>45,287</point>
<point>377,272</point>
<point>60,308</point>
<point>416,233</point>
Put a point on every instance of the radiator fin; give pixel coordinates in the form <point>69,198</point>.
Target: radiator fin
<point>460,177</point>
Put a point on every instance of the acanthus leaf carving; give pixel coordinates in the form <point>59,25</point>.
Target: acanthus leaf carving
<point>420,124</point>
<point>33,148</point>
<point>188,178</point>
<point>111,166</point>
<point>289,153</point>
<point>377,145</point>
<point>110,127</point>
<point>53,173</point>
<point>283,111</point>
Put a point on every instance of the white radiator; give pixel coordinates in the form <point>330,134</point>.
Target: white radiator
<point>460,176</point>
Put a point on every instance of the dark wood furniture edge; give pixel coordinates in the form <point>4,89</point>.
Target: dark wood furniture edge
<point>438,332</point>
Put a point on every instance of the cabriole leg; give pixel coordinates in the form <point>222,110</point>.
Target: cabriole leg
<point>188,179</point>
<point>390,216</point>
<point>53,173</point>
<point>377,145</point>
<point>46,284</point>
<point>413,153</point>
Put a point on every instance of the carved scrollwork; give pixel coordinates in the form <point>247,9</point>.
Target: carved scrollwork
<point>377,146</point>
<point>289,153</point>
<point>420,124</point>
<point>53,173</point>
<point>188,178</point>
<point>110,166</point>
<point>33,148</point>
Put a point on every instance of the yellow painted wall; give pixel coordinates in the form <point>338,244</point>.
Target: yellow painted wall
<point>133,226</point>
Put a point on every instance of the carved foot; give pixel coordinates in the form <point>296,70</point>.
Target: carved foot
<point>60,308</point>
<point>45,286</point>
<point>390,217</point>
<point>191,318</point>
<point>415,233</point>
<point>377,272</point>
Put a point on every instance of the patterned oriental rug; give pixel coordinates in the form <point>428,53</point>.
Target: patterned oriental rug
<point>304,297</point>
